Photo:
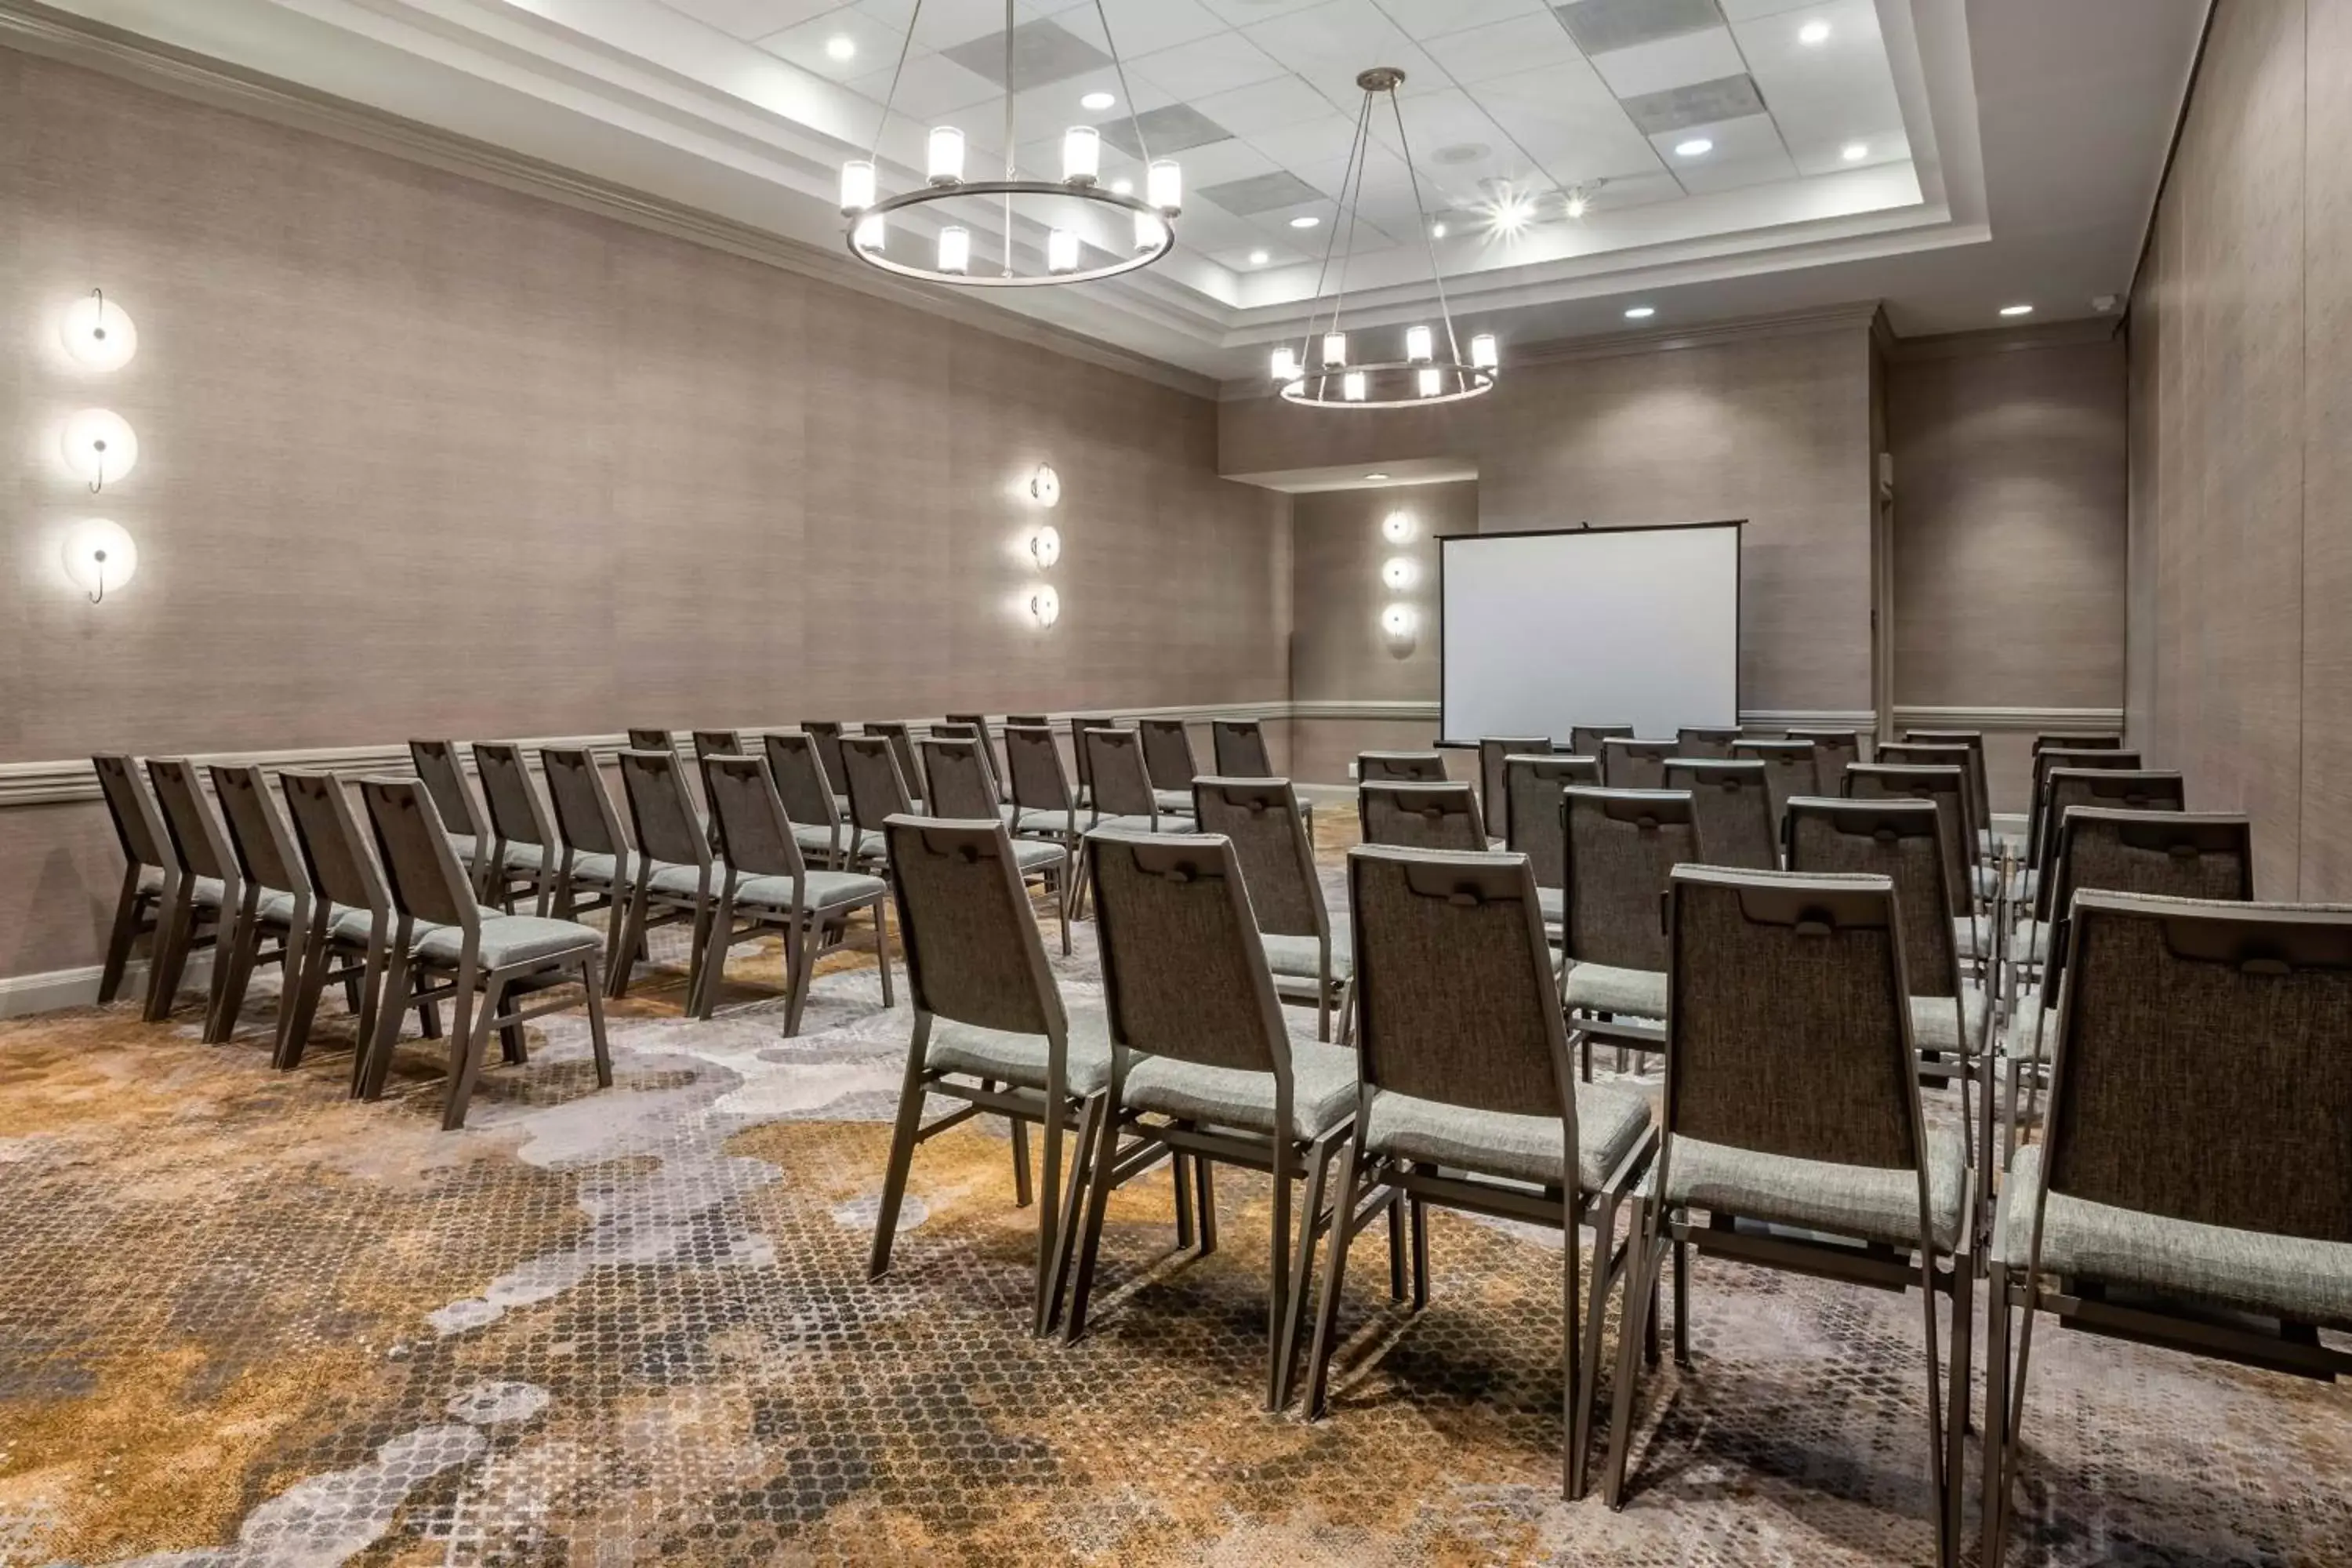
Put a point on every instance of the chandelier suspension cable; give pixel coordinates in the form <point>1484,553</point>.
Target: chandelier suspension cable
<point>882,120</point>
<point>1351,203</point>
<point>1119,65</point>
<point>1331,245</point>
<point>1428,237</point>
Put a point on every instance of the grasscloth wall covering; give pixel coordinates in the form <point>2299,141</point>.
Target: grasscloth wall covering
<point>420,454</point>
<point>2240,672</point>
<point>2010,529</point>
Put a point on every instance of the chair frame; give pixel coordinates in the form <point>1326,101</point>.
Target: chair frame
<point>139,910</point>
<point>265,860</point>
<point>515,818</point>
<point>343,875</point>
<point>1493,753</point>
<point>1588,1026</point>
<point>435,763</point>
<point>200,852</point>
<point>1331,992</point>
<point>947,750</point>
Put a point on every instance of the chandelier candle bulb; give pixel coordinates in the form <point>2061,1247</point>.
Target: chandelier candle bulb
<point>1416,343</point>
<point>1150,233</point>
<point>946,155</point>
<point>1432,380</point>
<point>1164,187</point>
<point>1285,364</point>
<point>1483,352</point>
<point>955,248</point>
<point>872,232</point>
<point>1351,387</point>
<point>1334,348</point>
<point>1062,251</point>
<point>857,187</point>
<point>1081,155</point>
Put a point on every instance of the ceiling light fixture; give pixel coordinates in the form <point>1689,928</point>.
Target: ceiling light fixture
<point>1437,230</point>
<point>1432,368</point>
<point>1097,100</point>
<point>2017,309</point>
<point>1579,197</point>
<point>1376,474</point>
<point>1307,221</point>
<point>1259,258</point>
<point>1813,34</point>
<point>1697,147</point>
<point>1640,313</point>
<point>841,47</point>
<point>1031,202</point>
<point>1855,151</point>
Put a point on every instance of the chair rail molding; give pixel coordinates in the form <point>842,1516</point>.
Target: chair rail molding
<point>2089,720</point>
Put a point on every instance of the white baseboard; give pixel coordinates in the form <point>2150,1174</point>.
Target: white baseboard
<point>21,995</point>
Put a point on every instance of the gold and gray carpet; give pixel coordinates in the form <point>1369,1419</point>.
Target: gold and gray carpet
<point>246,1321</point>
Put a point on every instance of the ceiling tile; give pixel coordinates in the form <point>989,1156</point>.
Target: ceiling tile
<point>1434,18</point>
<point>1238,256</point>
<point>941,24</point>
<point>1224,162</point>
<point>1624,192</point>
<point>1143,27</point>
<point>1747,151</point>
<point>1260,192</point>
<point>1265,106</point>
<point>1503,48</point>
<point>804,45</point>
<point>1321,140</point>
<point>1825,95</point>
<point>1697,103</point>
<point>1737,11</point>
<point>1165,132</point>
<point>1043,53</point>
<point>1239,13</point>
<point>1828,156</point>
<point>1568,121</point>
<point>1603,24</point>
<point>1206,67</point>
<point>1334,43</point>
<point>930,87</point>
<point>1670,62</point>
<point>752,19</point>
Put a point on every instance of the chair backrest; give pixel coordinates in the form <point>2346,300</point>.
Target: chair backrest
<point>902,746</point>
<point>1241,750</point>
<point>2166,854</point>
<point>257,833</point>
<point>1079,724</point>
<point>1832,750</point>
<point>334,849</point>
<point>1627,763</point>
<point>1260,816</point>
<point>717,743</point>
<point>584,817</point>
<point>755,835</point>
<point>1030,720</point>
<point>1400,767</point>
<point>421,874</point>
<point>1494,789</point>
<point>962,789</point>
<point>2203,1068</point>
<point>1034,762</point>
<point>1584,740</point>
<point>1421,816</point>
<point>1947,787</point>
<point>878,788</point>
<point>436,763</point>
<point>1168,753</point>
<point>191,827</point>
<point>2117,789</point>
<point>1705,742</point>
<point>652,740</point>
<point>1731,808</point>
<point>1184,974</point>
<point>973,727</point>
<point>1789,1028</point>
<point>825,735</point>
<point>1942,755</point>
<point>1114,764</point>
<point>514,809</point>
<point>1901,840</point>
<point>2077,742</point>
<point>797,771</point>
<point>130,801</point>
<point>1974,740</point>
<point>1454,996</point>
<point>661,810</point>
<point>1531,808</point>
<point>1792,768</point>
<point>1622,844</point>
<point>2036,831</point>
<point>971,939</point>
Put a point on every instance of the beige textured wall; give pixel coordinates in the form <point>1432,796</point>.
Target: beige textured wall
<point>2010,528</point>
<point>420,454</point>
<point>2241,417</point>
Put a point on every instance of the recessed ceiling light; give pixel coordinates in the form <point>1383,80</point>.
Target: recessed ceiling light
<point>1125,187</point>
<point>1855,151</point>
<point>1640,313</point>
<point>1258,259</point>
<point>1437,231</point>
<point>841,47</point>
<point>1697,147</point>
<point>1305,221</point>
<point>1376,474</point>
<point>1097,100</point>
<point>1814,33</point>
<point>2017,309</point>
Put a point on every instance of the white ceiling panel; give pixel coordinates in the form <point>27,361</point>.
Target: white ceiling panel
<point>1503,48</point>
<point>752,19</point>
<point>1427,19</point>
<point>874,42</point>
<point>1747,151</point>
<point>1308,143</point>
<point>941,24</point>
<point>1825,94</point>
<point>1142,26</point>
<point>1240,13</point>
<point>1677,61</point>
<point>1266,106</point>
<point>1737,11</point>
<point>1334,43</point>
<point>1567,120</point>
<point>1220,63</point>
<point>931,86</point>
<point>1827,157</point>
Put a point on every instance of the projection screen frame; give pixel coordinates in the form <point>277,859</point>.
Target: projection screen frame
<point>1738,601</point>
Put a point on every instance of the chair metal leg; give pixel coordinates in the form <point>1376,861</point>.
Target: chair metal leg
<point>800,965</point>
<point>882,947</point>
<point>597,1042</point>
<point>1277,1283</point>
<point>1021,1193</point>
<point>1572,1346</point>
<point>1098,1185</point>
<point>233,959</point>
<point>1335,1273</point>
<point>1682,1309</point>
<point>902,1157</point>
<point>1640,1270</point>
<point>1066,1234</point>
<point>627,940</point>
<point>307,980</point>
<point>1204,1183</point>
<point>469,1039</point>
<point>1584,1366</point>
<point>1998,1446</point>
<point>1417,1222</point>
<point>1179,1172</point>
<point>1396,1250</point>
<point>175,933</point>
<point>1049,1241</point>
<point>399,969</point>
<point>1940,1479</point>
<point>1319,1156</point>
<point>1956,1401</point>
<point>121,937</point>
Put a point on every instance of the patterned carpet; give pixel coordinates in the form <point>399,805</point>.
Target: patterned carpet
<point>246,1321</point>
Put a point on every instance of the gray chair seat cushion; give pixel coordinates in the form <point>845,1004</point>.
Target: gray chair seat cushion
<point>275,908</point>
<point>1179,801</point>
<point>680,881</point>
<point>820,840</point>
<point>1300,957</point>
<point>1036,855</point>
<point>1035,819</point>
<point>1553,902</point>
<point>511,940</point>
<point>1872,1203</point>
<point>819,890</point>
<point>2029,884</point>
<point>1322,1082</point>
<point>1987,881</point>
<point>1609,1119</point>
<point>1937,1026</point>
<point>1020,1059</point>
<point>1145,824</point>
<point>1963,937</point>
<point>2029,943</point>
<point>151,878</point>
<point>349,924</point>
<point>1637,993</point>
<point>206,891</point>
<point>2256,1271</point>
<point>599,870</point>
<point>525,856</point>
<point>463,843</point>
<point>2017,1038</point>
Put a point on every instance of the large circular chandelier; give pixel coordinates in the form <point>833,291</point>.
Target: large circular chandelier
<point>1430,370</point>
<point>1092,230</point>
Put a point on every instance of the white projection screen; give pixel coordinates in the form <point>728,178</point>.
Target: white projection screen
<point>1540,632</point>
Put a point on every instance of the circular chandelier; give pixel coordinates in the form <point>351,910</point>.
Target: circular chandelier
<point>1092,230</point>
<point>1424,375</point>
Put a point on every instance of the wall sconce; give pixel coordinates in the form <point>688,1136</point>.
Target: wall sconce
<point>1046,546</point>
<point>99,445</point>
<point>1044,606</point>
<point>98,555</point>
<point>99,335</point>
<point>1046,485</point>
<point>1397,621</point>
<point>1397,527</point>
<point>1398,572</point>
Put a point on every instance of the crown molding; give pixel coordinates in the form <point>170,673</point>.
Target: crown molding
<point>36,29</point>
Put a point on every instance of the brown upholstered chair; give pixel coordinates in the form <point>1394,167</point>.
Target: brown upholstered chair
<point>348,936</point>
<point>1585,740</point>
<point>796,765</point>
<point>1706,742</point>
<point>273,897</point>
<point>1400,767</point>
<point>1534,811</point>
<point>593,862</point>
<point>1792,768</point>
<point>1119,786</point>
<point>436,763</point>
<point>521,855</point>
<point>1621,845</point>
<point>1492,788</point>
<point>1168,759</point>
<point>962,790</point>
<point>1731,807</point>
<point>201,897</point>
<point>1270,842</point>
<point>1421,816</point>
<point>1628,763</point>
<point>148,868</point>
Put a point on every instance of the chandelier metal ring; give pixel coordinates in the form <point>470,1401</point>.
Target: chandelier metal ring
<point>1328,388</point>
<point>932,195</point>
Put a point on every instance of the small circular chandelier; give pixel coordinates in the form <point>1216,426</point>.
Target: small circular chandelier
<point>1424,374</point>
<point>1092,230</point>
